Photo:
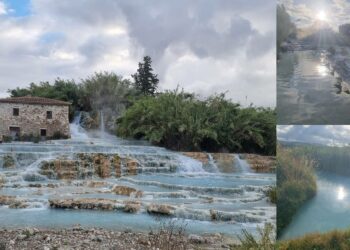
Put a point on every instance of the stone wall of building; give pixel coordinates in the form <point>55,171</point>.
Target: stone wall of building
<point>33,117</point>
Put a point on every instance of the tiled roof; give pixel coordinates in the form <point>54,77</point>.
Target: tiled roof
<point>34,100</point>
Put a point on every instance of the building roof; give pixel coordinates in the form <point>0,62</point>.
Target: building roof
<point>34,100</point>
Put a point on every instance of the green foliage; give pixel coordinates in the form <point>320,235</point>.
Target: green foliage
<point>264,241</point>
<point>272,194</point>
<point>105,91</point>
<point>65,90</point>
<point>179,121</point>
<point>6,138</point>
<point>319,241</point>
<point>144,80</point>
<point>101,90</point>
<point>57,135</point>
<point>296,183</point>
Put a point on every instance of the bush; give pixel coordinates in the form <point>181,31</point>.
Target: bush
<point>179,121</point>
<point>57,135</point>
<point>296,183</point>
<point>6,138</point>
<point>170,236</point>
<point>264,241</point>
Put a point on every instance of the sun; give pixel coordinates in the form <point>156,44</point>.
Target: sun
<point>321,15</point>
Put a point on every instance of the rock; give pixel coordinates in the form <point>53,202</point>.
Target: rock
<point>128,191</point>
<point>131,167</point>
<point>102,166</point>
<point>199,156</point>
<point>9,161</point>
<point>95,184</point>
<point>196,239</point>
<point>87,121</point>
<point>260,163</point>
<point>12,202</point>
<point>22,237</point>
<point>84,203</point>
<point>162,209</point>
<point>132,206</point>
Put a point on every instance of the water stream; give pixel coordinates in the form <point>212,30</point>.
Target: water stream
<point>307,92</point>
<point>205,198</point>
<point>328,210</point>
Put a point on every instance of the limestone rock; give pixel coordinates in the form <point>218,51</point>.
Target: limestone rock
<point>162,209</point>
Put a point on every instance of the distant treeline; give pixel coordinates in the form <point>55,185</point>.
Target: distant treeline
<point>296,183</point>
<point>331,159</point>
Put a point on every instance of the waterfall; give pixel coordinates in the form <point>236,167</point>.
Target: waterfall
<point>189,165</point>
<point>242,165</point>
<point>102,124</point>
<point>213,167</point>
<point>76,130</point>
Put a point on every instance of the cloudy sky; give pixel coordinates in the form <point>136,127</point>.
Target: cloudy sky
<point>322,134</point>
<point>306,12</point>
<point>204,46</point>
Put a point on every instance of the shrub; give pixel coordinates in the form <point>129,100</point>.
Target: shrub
<point>264,241</point>
<point>296,183</point>
<point>170,236</point>
<point>179,121</point>
<point>6,138</point>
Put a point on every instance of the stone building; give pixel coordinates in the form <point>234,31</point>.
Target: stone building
<point>33,116</point>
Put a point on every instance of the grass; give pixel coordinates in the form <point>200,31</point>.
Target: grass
<point>335,240</point>
<point>296,183</point>
<point>264,241</point>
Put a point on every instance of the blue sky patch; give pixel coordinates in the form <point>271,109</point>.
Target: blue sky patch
<point>19,8</point>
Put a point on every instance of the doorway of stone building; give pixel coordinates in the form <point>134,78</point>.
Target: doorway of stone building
<point>15,132</point>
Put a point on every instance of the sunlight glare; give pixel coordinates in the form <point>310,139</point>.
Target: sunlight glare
<point>341,193</point>
<point>322,16</point>
<point>322,70</point>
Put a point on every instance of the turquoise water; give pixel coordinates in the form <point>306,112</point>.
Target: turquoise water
<point>190,188</point>
<point>328,210</point>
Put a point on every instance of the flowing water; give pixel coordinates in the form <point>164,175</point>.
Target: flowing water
<point>307,92</point>
<point>328,210</point>
<point>205,198</point>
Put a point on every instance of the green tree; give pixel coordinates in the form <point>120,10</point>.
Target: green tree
<point>144,80</point>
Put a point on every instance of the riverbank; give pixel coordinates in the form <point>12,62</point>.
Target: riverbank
<point>96,238</point>
<point>331,240</point>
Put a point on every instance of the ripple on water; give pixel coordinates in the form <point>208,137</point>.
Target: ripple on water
<point>306,92</point>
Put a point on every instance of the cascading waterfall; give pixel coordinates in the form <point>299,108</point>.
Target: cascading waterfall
<point>102,124</point>
<point>242,165</point>
<point>194,192</point>
<point>76,130</point>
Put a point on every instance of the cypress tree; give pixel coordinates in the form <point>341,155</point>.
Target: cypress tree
<point>144,80</point>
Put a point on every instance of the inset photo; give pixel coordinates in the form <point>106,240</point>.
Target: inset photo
<point>313,186</point>
<point>313,62</point>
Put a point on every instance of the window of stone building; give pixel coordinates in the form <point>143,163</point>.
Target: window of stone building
<point>15,112</point>
<point>43,132</point>
<point>48,114</point>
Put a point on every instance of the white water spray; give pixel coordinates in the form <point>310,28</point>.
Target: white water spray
<point>76,130</point>
<point>242,165</point>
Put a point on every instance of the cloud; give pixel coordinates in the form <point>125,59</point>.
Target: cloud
<point>203,46</point>
<point>304,12</point>
<point>321,134</point>
<point>3,9</point>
